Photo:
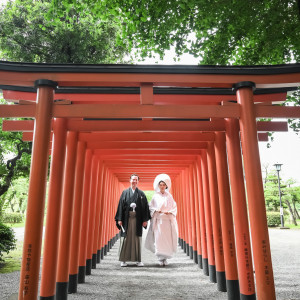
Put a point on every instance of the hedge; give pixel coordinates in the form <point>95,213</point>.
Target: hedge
<point>12,218</point>
<point>273,218</point>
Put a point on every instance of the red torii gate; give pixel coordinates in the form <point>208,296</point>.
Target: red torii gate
<point>107,121</point>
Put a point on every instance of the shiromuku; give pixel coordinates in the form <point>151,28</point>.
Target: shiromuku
<point>162,236</point>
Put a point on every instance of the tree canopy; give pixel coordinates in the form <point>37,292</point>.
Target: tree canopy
<point>222,32</point>
<point>76,37</point>
<point>27,36</point>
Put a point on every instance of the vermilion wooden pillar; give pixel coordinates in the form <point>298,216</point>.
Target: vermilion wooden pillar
<point>114,208</point>
<point>208,219</point>
<point>97,219</point>
<point>188,215</point>
<point>191,194</point>
<point>106,210</point>
<point>177,203</point>
<point>178,198</point>
<point>184,224</point>
<point>93,193</point>
<point>50,253</point>
<point>29,277</point>
<point>107,213</point>
<point>179,211</point>
<point>203,232</point>
<point>187,223</point>
<point>232,282</point>
<point>62,276</point>
<point>239,205</point>
<point>85,216</point>
<point>104,220</point>
<point>100,244</point>
<point>255,192</point>
<point>197,253</point>
<point>76,222</point>
<point>112,227</point>
<point>216,221</point>
<point>111,204</point>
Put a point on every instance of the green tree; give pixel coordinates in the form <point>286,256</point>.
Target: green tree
<point>7,240</point>
<point>272,192</point>
<point>294,198</point>
<point>15,155</point>
<point>295,191</point>
<point>27,36</point>
<point>76,37</point>
<point>289,195</point>
<point>15,199</point>
<point>223,32</point>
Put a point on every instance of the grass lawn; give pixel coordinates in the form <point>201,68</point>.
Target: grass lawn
<point>15,225</point>
<point>292,226</point>
<point>12,260</point>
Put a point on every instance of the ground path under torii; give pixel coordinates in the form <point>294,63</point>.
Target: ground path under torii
<point>182,279</point>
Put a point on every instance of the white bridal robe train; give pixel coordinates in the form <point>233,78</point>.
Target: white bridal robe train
<point>162,237</point>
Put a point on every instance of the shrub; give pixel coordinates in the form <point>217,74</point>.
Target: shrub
<point>7,240</point>
<point>273,218</point>
<point>12,218</point>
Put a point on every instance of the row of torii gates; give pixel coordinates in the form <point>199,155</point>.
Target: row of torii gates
<point>100,123</point>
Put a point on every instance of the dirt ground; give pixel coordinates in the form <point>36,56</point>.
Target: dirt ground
<point>182,279</point>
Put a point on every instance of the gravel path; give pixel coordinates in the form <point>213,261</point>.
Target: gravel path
<point>182,279</point>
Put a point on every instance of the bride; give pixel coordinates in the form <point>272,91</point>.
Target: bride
<point>162,236</point>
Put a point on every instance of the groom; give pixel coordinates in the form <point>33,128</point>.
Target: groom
<point>132,220</point>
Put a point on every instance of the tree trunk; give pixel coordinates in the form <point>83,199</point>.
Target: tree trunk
<point>295,210</point>
<point>12,206</point>
<point>291,212</point>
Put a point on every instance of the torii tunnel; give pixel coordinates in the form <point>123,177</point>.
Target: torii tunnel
<point>100,123</point>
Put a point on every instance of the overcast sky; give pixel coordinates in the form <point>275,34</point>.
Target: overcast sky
<point>285,149</point>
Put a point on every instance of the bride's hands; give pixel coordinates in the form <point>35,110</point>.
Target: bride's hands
<point>160,212</point>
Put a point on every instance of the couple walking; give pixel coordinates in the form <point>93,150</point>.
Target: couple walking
<point>133,214</point>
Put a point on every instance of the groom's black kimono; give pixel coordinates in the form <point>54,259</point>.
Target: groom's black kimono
<point>142,210</point>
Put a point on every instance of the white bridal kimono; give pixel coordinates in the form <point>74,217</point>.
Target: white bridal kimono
<point>162,237</point>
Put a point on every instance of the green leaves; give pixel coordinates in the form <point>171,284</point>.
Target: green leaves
<point>59,32</point>
<point>7,240</point>
<point>231,32</point>
<point>272,192</point>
